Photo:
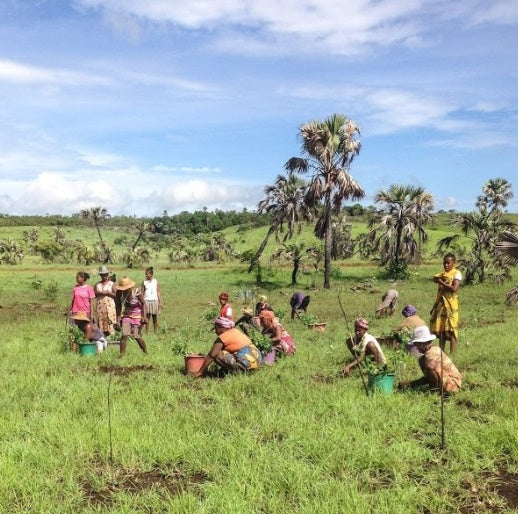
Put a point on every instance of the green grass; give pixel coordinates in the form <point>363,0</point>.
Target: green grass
<point>291,438</point>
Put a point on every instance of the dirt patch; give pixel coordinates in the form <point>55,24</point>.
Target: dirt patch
<point>487,322</point>
<point>135,481</point>
<point>486,493</point>
<point>512,383</point>
<point>126,370</point>
<point>390,341</point>
<point>466,403</point>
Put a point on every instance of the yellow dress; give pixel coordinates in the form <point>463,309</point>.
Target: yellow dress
<point>445,312</point>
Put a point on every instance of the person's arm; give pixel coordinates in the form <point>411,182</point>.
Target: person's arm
<point>453,287</point>
<point>92,298</point>
<point>88,331</point>
<point>372,350</point>
<point>347,369</point>
<point>143,306</point>
<point>217,346</point>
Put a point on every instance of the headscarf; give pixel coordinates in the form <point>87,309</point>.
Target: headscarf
<point>267,315</point>
<point>224,322</point>
<point>361,323</point>
<point>408,310</point>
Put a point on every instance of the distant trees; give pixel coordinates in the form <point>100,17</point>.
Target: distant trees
<point>397,230</point>
<point>99,215</point>
<point>328,148</point>
<point>484,227</point>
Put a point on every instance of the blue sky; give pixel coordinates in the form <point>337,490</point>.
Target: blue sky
<point>142,106</point>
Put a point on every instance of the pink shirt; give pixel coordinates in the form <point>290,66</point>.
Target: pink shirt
<point>83,296</point>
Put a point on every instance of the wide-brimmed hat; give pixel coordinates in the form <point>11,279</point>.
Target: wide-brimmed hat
<point>361,323</point>
<point>422,335</point>
<point>80,316</point>
<point>103,270</point>
<point>250,312</point>
<point>125,283</point>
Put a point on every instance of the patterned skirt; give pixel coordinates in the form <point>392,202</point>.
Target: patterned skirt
<point>248,358</point>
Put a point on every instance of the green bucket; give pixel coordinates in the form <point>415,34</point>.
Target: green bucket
<point>88,349</point>
<point>383,383</point>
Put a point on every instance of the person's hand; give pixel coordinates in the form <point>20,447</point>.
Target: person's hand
<point>346,371</point>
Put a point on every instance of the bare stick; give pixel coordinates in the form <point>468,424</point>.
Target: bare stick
<point>110,425</point>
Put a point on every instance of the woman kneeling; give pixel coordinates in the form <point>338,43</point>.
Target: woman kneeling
<point>232,350</point>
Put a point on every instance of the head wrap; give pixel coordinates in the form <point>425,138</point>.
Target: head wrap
<point>361,323</point>
<point>408,310</point>
<point>220,321</point>
<point>267,315</point>
<point>263,298</point>
<point>223,296</point>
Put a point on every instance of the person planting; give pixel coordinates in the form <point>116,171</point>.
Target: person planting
<point>232,350</point>
<point>90,330</point>
<point>130,301</point>
<point>409,324</point>
<point>299,303</point>
<point>444,321</point>
<point>247,323</point>
<point>362,345</point>
<point>434,364</point>
<point>261,305</point>
<point>282,341</point>
<point>388,304</point>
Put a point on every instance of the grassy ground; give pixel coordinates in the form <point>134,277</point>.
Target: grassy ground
<point>295,437</point>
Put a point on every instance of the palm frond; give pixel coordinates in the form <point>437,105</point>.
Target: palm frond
<point>507,247</point>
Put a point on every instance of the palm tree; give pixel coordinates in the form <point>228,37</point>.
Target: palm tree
<point>98,215</point>
<point>284,201</point>
<point>328,148</point>
<point>496,194</point>
<point>484,228</point>
<point>407,209</point>
<point>507,248</point>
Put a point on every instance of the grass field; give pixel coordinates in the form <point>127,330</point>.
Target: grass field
<point>101,434</point>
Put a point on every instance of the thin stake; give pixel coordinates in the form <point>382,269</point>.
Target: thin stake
<point>110,459</point>
<point>443,444</point>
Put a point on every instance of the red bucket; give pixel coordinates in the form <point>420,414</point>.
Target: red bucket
<point>193,362</point>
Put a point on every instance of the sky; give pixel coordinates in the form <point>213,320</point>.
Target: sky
<point>146,106</point>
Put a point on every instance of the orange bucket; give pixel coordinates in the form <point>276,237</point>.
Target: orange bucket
<point>193,362</point>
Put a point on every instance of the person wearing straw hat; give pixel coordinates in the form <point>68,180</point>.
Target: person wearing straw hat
<point>434,364</point>
<point>247,323</point>
<point>132,313</point>
<point>91,331</point>
<point>261,305</point>
<point>231,351</point>
<point>364,344</point>
<point>105,295</point>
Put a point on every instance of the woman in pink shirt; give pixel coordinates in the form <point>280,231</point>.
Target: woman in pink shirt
<point>82,296</point>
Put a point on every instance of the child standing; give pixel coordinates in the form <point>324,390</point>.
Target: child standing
<point>152,298</point>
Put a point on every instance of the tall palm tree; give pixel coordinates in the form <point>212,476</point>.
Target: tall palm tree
<point>496,193</point>
<point>328,148</point>
<point>98,215</point>
<point>507,248</point>
<point>406,211</point>
<point>284,201</point>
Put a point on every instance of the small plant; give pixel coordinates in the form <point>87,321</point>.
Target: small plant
<point>371,367</point>
<point>179,344</point>
<point>72,337</point>
<point>308,319</point>
<point>404,336</point>
<point>50,291</point>
<point>261,341</point>
<point>210,314</point>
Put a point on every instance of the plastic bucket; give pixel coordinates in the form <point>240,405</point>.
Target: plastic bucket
<point>88,349</point>
<point>381,383</point>
<point>193,362</point>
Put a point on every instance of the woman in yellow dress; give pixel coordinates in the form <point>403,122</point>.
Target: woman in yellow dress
<point>444,322</point>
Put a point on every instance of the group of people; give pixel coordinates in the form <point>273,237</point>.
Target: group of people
<point>118,305</point>
<point>439,372</point>
<point>233,348</point>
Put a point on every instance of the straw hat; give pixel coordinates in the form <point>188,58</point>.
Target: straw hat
<point>80,316</point>
<point>125,283</point>
<point>103,270</point>
<point>250,312</point>
<point>263,298</point>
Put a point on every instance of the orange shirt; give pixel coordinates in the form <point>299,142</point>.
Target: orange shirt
<point>233,340</point>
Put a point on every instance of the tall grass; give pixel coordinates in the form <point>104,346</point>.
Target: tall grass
<point>295,437</point>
